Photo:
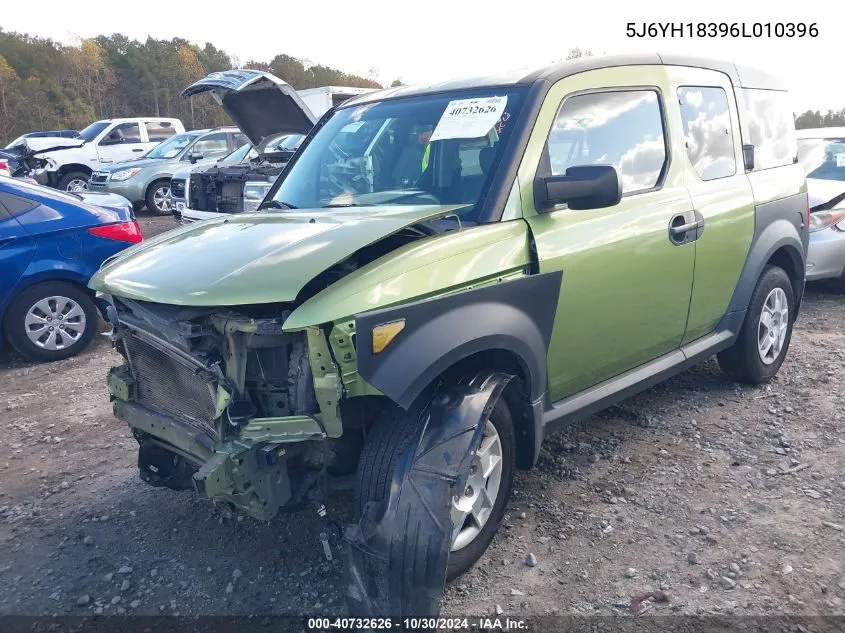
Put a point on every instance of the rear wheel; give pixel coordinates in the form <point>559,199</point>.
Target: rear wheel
<point>763,341</point>
<point>158,198</point>
<point>51,321</point>
<point>73,181</point>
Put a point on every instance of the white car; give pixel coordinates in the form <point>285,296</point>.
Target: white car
<point>67,163</point>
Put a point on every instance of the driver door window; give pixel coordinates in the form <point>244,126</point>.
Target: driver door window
<point>124,142</point>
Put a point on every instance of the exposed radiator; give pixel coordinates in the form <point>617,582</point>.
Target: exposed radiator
<point>166,385</point>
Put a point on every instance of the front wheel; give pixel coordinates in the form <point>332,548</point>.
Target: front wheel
<point>763,341</point>
<point>158,198</point>
<point>476,511</point>
<point>73,181</point>
<point>51,321</point>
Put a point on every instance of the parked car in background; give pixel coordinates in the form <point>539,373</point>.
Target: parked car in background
<point>8,164</point>
<point>821,152</point>
<point>146,180</point>
<point>53,133</point>
<point>51,242</point>
<point>260,169</point>
<point>426,320</point>
<point>67,163</point>
<point>265,108</point>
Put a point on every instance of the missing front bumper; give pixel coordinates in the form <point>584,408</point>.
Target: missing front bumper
<point>250,473</point>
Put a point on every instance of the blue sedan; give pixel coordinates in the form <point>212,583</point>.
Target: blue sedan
<point>51,242</point>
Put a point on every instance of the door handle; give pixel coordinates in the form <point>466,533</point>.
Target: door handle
<point>137,150</point>
<point>685,228</point>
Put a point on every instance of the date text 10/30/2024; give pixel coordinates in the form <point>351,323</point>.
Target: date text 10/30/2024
<point>722,29</point>
<point>410,624</point>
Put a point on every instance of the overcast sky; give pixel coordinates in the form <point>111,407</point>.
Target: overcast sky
<point>430,40</point>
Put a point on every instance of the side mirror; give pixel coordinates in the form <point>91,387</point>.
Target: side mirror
<point>581,187</point>
<point>194,157</point>
<point>748,157</point>
<point>111,140</point>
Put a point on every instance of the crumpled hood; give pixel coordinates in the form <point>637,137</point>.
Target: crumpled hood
<point>250,258</point>
<point>823,191</point>
<point>41,144</point>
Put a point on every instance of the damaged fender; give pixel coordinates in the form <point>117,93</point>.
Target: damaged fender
<point>399,550</point>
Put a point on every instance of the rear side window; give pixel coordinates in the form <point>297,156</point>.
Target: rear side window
<point>707,131</point>
<point>771,127</point>
<point>10,204</point>
<point>158,131</point>
<point>623,129</point>
<point>212,145</point>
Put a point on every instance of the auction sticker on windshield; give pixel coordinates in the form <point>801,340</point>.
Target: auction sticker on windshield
<point>840,160</point>
<point>469,118</point>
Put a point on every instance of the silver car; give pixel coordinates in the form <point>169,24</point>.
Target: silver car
<point>821,152</point>
<point>146,180</point>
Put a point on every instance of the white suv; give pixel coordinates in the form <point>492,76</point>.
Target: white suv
<point>67,163</point>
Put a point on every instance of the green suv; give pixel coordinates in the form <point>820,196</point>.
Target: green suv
<point>442,277</point>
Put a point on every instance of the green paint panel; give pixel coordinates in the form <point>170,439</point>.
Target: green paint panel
<point>421,269</point>
<point>250,258</point>
<point>626,288</point>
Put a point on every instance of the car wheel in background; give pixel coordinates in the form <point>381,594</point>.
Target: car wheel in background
<point>73,181</point>
<point>158,198</point>
<point>51,321</point>
<point>763,341</point>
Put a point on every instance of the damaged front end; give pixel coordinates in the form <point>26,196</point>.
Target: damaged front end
<point>224,402</point>
<point>233,188</point>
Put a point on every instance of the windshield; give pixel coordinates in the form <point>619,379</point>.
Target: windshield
<point>239,155</point>
<point>290,142</point>
<point>432,149</point>
<point>171,147</point>
<point>92,131</point>
<point>822,158</point>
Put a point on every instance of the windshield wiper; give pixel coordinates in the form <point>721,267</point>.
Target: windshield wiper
<point>275,204</point>
<point>340,204</point>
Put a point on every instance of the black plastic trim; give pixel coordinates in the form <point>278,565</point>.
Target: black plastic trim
<point>516,316</point>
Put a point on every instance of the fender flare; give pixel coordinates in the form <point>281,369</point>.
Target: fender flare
<point>778,234</point>
<point>515,315</point>
<point>397,554</point>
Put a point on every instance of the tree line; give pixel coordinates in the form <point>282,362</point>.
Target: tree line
<point>46,85</point>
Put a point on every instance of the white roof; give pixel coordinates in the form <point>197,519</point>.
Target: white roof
<point>821,132</point>
<point>336,89</point>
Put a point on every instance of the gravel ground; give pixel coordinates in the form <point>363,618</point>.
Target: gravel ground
<point>728,499</point>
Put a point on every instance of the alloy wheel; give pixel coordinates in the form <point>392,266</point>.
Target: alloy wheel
<point>773,327</point>
<point>161,199</point>
<point>77,184</point>
<point>472,508</point>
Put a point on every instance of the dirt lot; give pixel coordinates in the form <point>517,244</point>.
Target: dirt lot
<point>730,499</point>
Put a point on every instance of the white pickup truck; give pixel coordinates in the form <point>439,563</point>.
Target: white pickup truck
<point>67,163</point>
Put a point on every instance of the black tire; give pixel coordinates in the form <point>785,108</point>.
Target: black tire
<point>69,177</point>
<point>742,362</point>
<point>378,459</point>
<point>14,323</point>
<point>150,195</point>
